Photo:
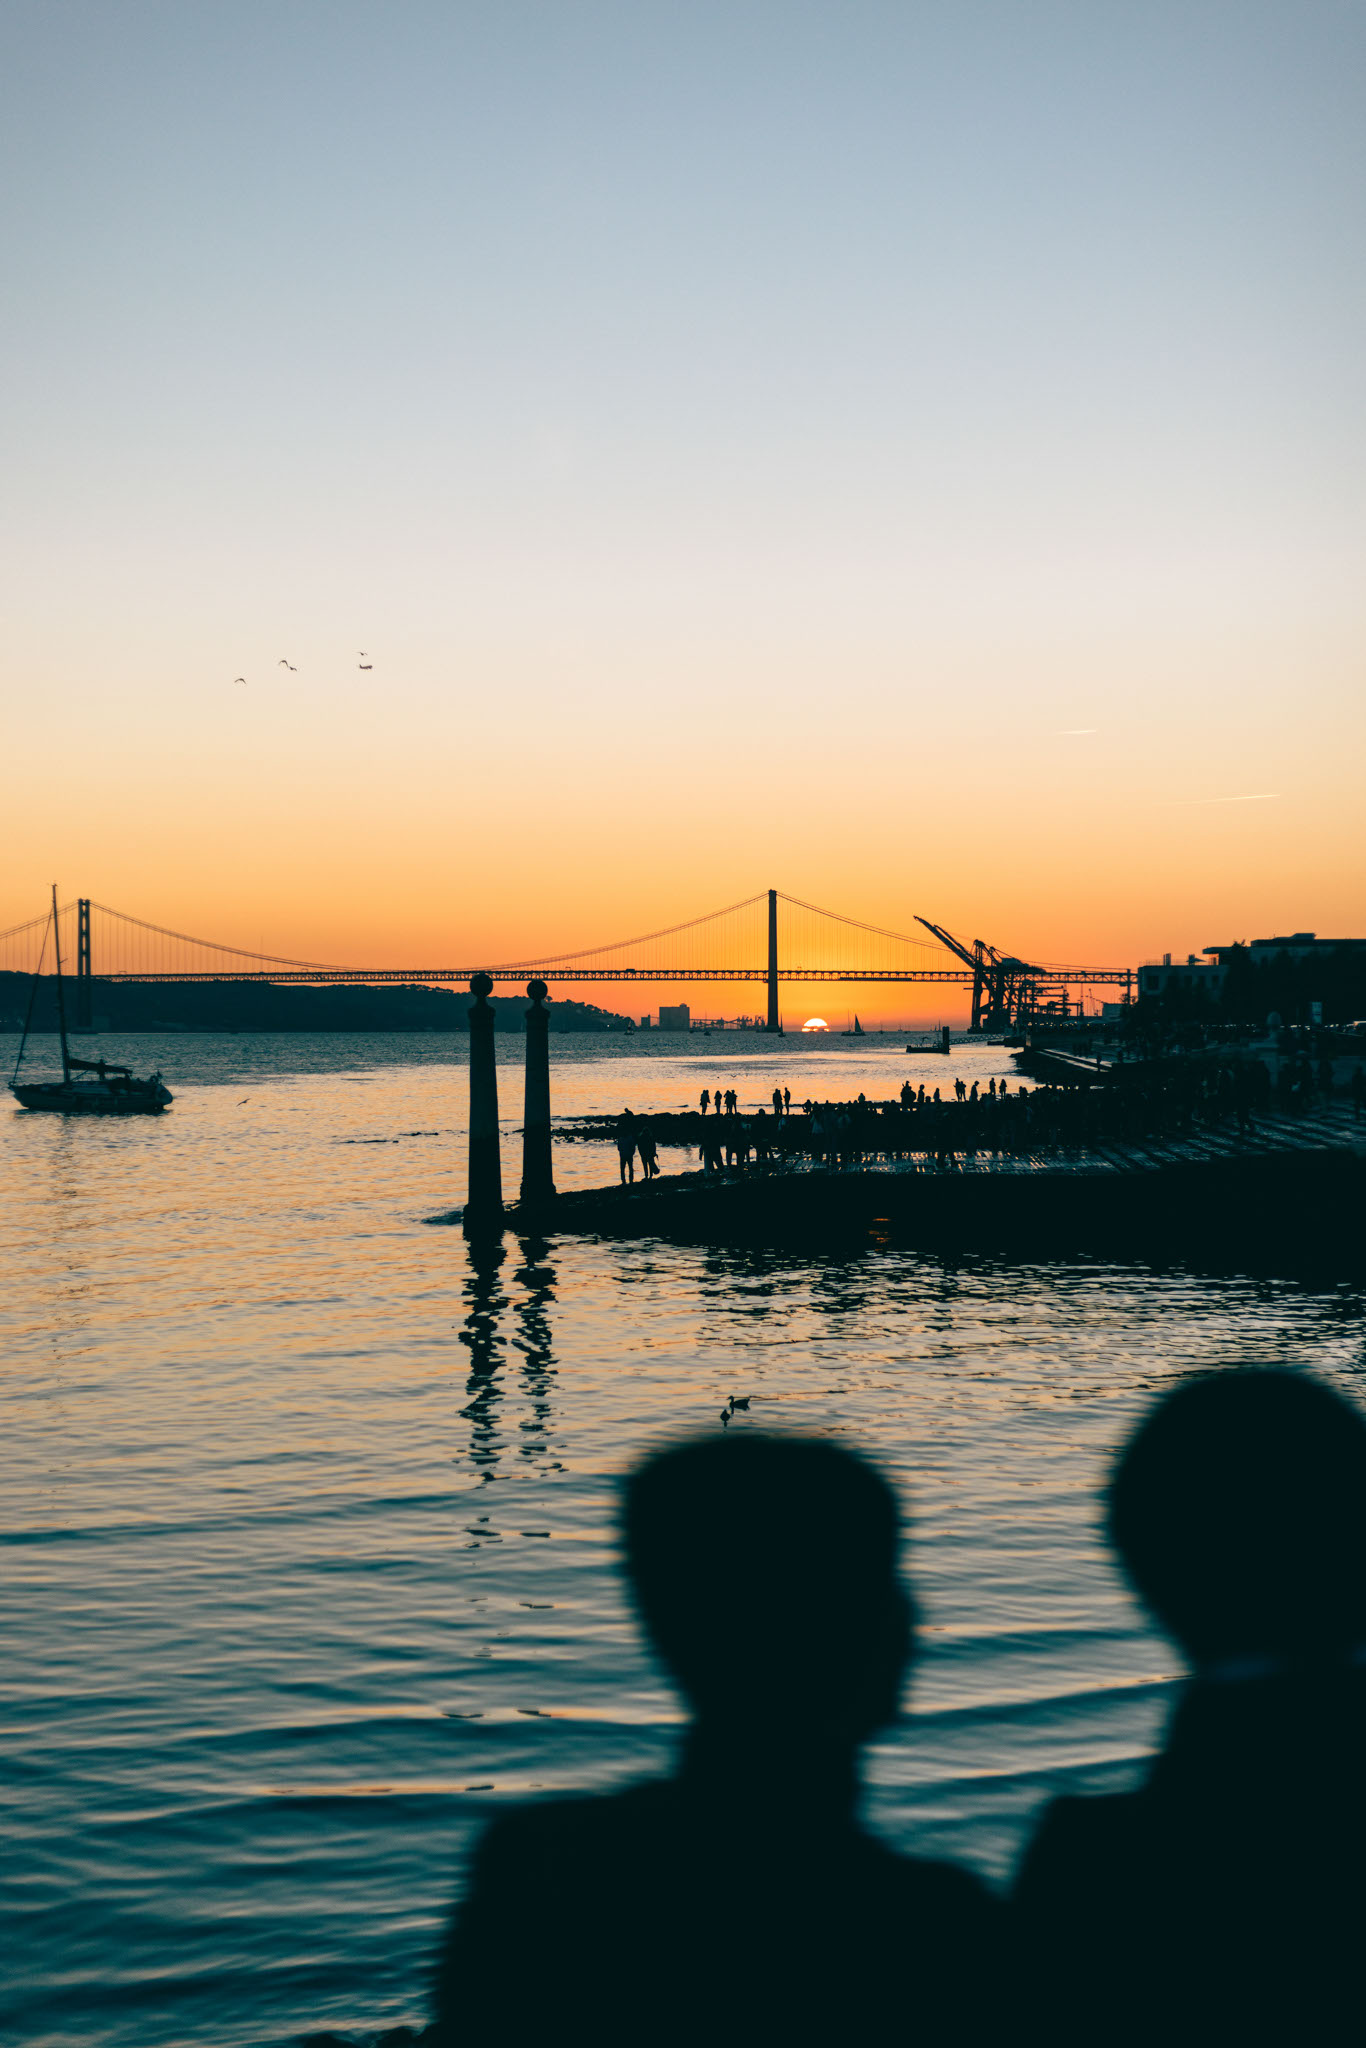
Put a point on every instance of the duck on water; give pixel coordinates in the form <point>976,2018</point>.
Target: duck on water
<point>111,1090</point>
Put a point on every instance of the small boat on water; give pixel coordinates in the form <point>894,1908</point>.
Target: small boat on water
<point>87,1087</point>
<point>114,1091</point>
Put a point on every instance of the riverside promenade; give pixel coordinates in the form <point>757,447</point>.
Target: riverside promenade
<point>1285,1185</point>
<point>1174,1161</point>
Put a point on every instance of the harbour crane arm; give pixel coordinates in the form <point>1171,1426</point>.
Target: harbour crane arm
<point>986,955</point>
<point>954,945</point>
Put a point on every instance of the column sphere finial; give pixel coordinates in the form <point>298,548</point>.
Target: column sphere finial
<point>481,985</point>
<point>537,990</point>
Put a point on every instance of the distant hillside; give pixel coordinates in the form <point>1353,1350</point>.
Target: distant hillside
<point>260,1006</point>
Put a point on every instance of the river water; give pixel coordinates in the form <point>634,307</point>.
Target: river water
<point>308,1557</point>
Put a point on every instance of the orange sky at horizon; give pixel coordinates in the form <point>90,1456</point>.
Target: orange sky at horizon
<point>1089,865</point>
<point>909,458</point>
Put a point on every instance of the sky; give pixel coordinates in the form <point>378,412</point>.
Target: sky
<point>910,456</point>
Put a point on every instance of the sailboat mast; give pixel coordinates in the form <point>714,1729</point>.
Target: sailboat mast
<point>28,1014</point>
<point>61,993</point>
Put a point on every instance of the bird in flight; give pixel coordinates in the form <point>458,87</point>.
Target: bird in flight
<point>365,664</point>
<point>239,679</point>
<point>282,663</point>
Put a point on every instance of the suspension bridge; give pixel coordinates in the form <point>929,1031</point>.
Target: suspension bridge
<point>770,937</point>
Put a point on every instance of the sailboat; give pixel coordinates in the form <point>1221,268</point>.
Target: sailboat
<point>857,1032</point>
<point>113,1091</point>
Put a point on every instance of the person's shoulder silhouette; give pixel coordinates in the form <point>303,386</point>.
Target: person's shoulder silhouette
<point>1223,1900</point>
<point>739,1900</point>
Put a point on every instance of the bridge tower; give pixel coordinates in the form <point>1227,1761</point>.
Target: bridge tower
<point>775,1022</point>
<point>83,1010</point>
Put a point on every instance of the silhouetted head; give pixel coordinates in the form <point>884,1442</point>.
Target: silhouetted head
<point>1239,1510</point>
<point>765,1570</point>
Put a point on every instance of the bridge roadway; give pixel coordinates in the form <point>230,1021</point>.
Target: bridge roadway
<point>954,975</point>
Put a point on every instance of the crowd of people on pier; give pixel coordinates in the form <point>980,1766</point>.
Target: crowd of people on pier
<point>967,1120</point>
<point>740,1900</point>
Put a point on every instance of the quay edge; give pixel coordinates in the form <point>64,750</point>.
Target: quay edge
<point>1293,1208</point>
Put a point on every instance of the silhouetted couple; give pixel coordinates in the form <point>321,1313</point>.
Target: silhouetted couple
<point>740,1902</point>
<point>627,1140</point>
<point>1223,1901</point>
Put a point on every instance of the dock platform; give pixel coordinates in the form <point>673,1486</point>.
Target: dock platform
<point>1289,1180</point>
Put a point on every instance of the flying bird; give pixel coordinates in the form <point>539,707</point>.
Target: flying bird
<point>282,663</point>
<point>365,664</point>
<point>239,679</point>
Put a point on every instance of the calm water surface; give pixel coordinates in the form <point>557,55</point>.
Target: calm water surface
<point>307,1521</point>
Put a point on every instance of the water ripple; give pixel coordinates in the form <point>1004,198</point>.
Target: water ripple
<point>308,1522</point>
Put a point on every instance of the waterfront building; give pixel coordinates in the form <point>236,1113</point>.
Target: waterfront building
<point>1193,976</point>
<point>675,1017</point>
<point>1296,975</point>
<point>1291,946</point>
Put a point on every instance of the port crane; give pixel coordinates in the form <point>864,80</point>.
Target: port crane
<point>1006,992</point>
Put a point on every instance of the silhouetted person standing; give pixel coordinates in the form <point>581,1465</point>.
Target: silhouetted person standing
<point>1223,1902</point>
<point>626,1144</point>
<point>739,1901</point>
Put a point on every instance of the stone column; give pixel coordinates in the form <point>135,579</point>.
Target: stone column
<point>538,1181</point>
<point>484,1208</point>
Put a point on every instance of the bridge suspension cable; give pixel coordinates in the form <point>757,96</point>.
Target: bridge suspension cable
<point>132,945</point>
<point>22,945</point>
<point>819,941</point>
<point>592,955</point>
<point>212,945</point>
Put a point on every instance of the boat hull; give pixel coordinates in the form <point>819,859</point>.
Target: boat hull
<point>77,1098</point>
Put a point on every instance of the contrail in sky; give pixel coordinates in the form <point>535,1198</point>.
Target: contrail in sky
<point>1263,796</point>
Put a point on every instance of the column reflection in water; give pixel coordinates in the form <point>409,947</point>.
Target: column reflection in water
<point>485,1301</point>
<point>537,1276</point>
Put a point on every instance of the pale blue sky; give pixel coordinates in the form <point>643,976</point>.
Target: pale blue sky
<point>659,383</point>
